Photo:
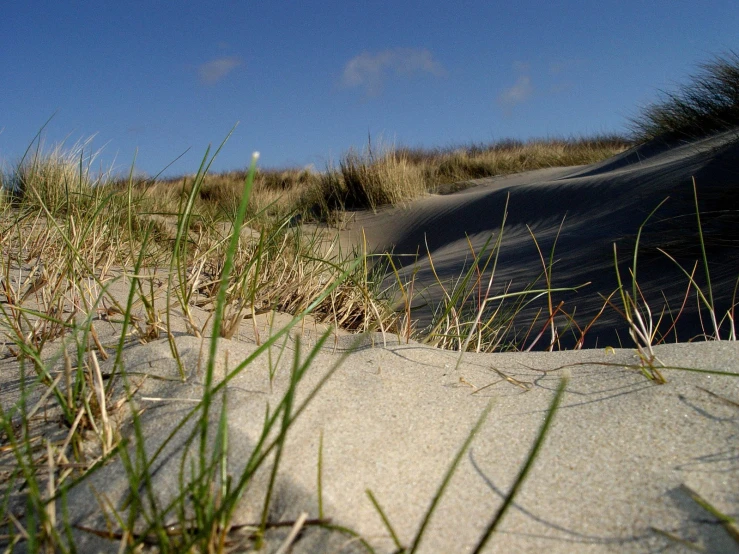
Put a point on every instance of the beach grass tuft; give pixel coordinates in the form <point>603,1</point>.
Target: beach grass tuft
<point>706,104</point>
<point>379,174</point>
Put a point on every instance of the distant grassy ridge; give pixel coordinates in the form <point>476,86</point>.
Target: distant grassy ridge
<point>384,174</point>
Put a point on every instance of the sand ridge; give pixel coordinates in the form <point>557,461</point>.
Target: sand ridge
<point>586,210</point>
<point>393,418</point>
<point>612,472</point>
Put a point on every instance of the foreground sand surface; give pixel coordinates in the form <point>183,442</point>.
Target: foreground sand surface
<point>616,469</point>
<point>392,418</point>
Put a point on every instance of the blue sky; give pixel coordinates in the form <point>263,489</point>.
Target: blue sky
<point>306,81</point>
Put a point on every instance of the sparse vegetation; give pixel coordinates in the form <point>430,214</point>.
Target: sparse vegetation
<point>80,255</point>
<point>707,104</point>
<point>202,255</point>
<point>378,175</point>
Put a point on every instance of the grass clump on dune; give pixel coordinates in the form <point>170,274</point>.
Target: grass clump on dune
<point>50,178</point>
<point>390,175</point>
<point>444,166</point>
<point>372,178</point>
<point>277,193</point>
<point>378,175</point>
<point>708,103</point>
<point>83,255</point>
<point>59,206</point>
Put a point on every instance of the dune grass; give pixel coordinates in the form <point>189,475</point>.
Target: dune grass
<point>57,276</point>
<point>227,246</point>
<point>70,238</point>
<point>380,174</point>
<point>640,317</point>
<point>68,242</point>
<point>706,104</point>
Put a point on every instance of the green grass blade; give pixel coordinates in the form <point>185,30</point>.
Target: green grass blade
<point>220,307</point>
<point>416,543</point>
<point>727,522</point>
<point>295,375</point>
<point>538,443</point>
<point>385,520</point>
<point>319,478</point>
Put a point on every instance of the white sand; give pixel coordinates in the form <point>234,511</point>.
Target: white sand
<point>393,417</point>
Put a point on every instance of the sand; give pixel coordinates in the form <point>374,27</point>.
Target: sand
<point>612,472</point>
<point>581,212</point>
<point>392,419</point>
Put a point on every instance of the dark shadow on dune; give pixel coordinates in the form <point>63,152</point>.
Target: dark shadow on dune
<point>597,207</point>
<point>701,527</point>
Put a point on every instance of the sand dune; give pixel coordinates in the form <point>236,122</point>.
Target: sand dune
<point>613,468</point>
<point>596,206</point>
<point>612,473</point>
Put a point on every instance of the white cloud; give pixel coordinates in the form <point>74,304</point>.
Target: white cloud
<point>517,94</point>
<point>213,71</point>
<point>370,70</point>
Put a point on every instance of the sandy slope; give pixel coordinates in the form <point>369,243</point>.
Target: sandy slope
<point>393,417</point>
<point>596,206</point>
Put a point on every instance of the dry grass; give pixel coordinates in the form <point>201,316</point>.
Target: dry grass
<point>707,104</point>
<point>81,255</point>
<point>276,193</point>
<point>49,178</point>
<point>371,179</point>
<point>451,165</point>
<point>181,247</point>
<point>376,176</point>
<point>110,227</point>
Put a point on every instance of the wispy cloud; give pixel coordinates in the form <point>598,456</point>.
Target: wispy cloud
<point>370,70</point>
<point>517,94</point>
<point>521,90</point>
<point>213,71</point>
